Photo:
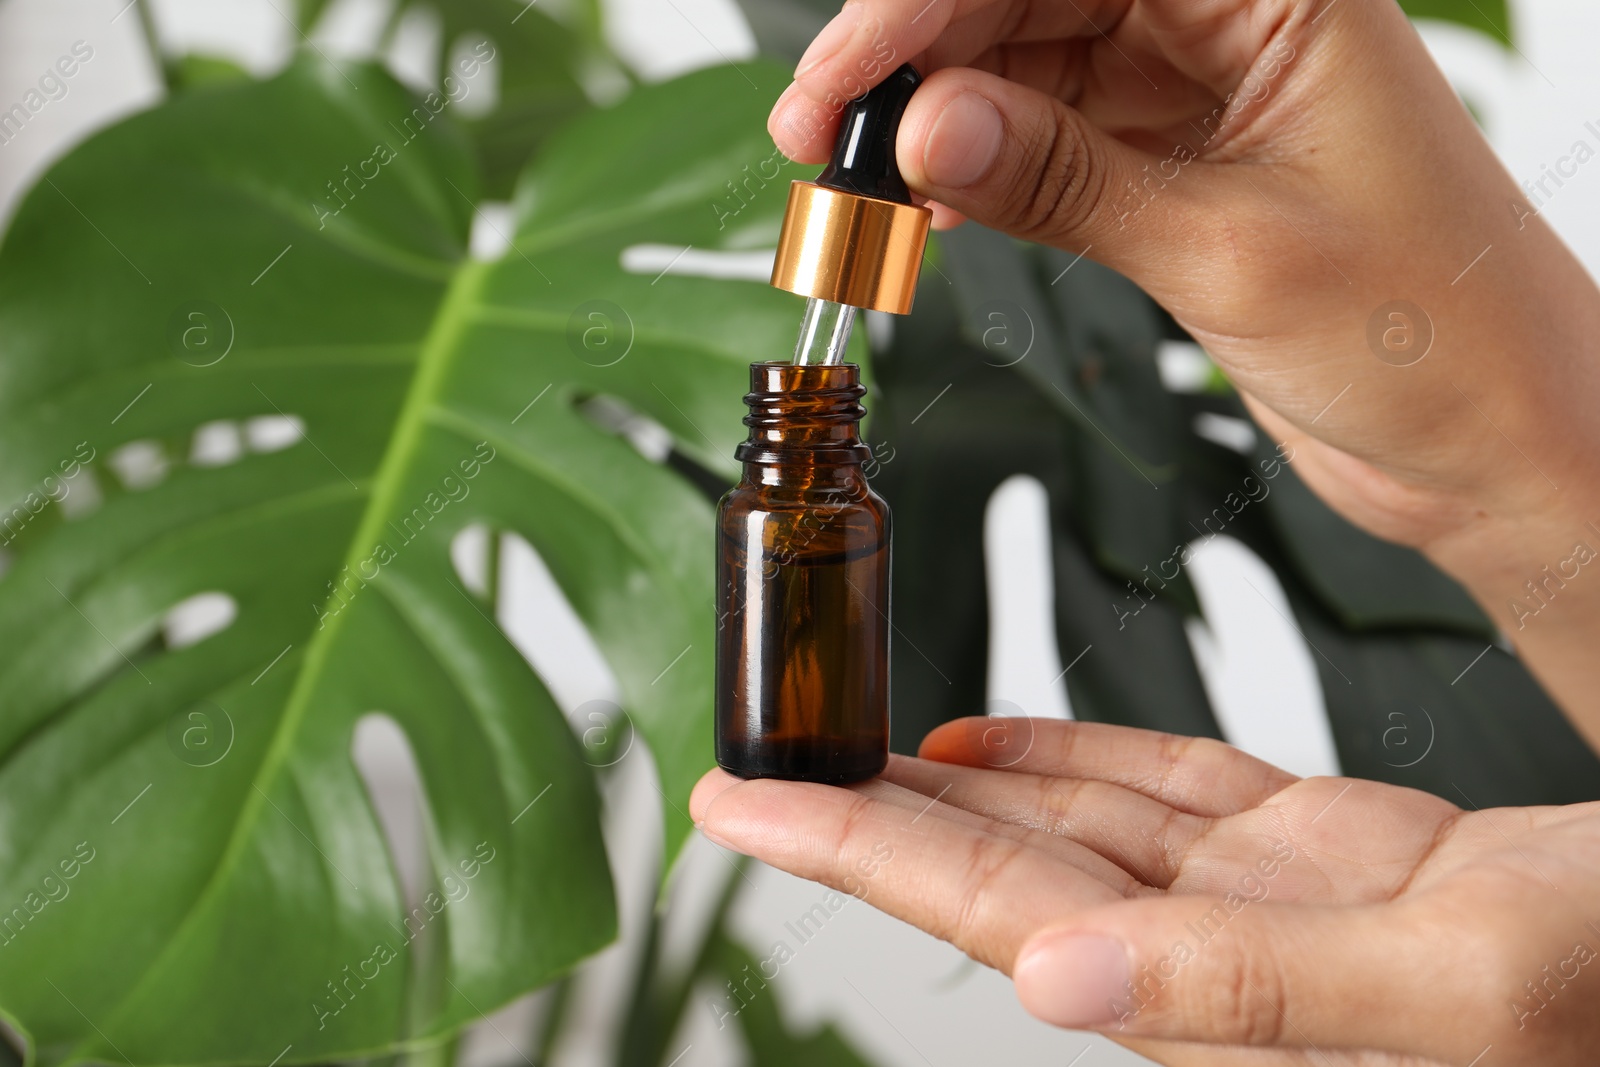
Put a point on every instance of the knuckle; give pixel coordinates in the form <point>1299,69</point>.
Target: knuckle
<point>1177,834</point>
<point>1064,742</point>
<point>850,826</point>
<point>1056,804</point>
<point>1191,768</point>
<point>1206,753</point>
<point>1067,189</point>
<point>1171,751</point>
<point>1244,1000</point>
<point>990,856</point>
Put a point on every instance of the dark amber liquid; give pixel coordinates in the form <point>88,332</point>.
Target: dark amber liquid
<point>803,578</point>
<point>803,681</point>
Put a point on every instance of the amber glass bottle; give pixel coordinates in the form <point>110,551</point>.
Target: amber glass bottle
<point>803,578</point>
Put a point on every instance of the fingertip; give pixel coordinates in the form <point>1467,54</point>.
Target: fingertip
<point>963,143</point>
<point>945,218</point>
<point>1072,979</point>
<point>707,789</point>
<point>800,127</point>
<point>780,109</point>
<point>947,742</point>
<point>751,818</point>
<point>951,134</point>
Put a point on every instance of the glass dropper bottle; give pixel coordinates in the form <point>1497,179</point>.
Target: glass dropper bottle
<point>803,542</point>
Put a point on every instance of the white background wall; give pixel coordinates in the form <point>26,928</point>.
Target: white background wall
<point>903,997</point>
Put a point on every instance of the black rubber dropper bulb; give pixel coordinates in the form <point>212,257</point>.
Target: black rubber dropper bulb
<point>863,165</point>
<point>863,154</point>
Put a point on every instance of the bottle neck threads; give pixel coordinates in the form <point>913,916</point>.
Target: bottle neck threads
<point>804,415</point>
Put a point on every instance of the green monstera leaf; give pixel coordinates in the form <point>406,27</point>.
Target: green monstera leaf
<point>190,868</point>
<point>537,64</point>
<point>1489,17</point>
<point>534,62</point>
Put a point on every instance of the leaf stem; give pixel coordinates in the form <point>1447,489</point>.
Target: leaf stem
<point>656,1007</point>
<point>152,40</point>
<point>554,1023</point>
<point>438,1054</point>
<point>491,572</point>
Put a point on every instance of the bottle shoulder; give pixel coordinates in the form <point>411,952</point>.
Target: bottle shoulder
<point>798,526</point>
<point>746,498</point>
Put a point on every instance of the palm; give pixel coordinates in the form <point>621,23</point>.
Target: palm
<point>1013,827</point>
<point>1438,851</point>
<point>1209,856</point>
<point>1327,820</point>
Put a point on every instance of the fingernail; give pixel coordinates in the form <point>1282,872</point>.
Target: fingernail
<point>1073,981</point>
<point>964,142</point>
<point>832,38</point>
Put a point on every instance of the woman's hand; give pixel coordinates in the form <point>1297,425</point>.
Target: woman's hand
<point>1297,183</point>
<point>1170,891</point>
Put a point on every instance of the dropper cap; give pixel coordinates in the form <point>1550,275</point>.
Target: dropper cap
<point>853,236</point>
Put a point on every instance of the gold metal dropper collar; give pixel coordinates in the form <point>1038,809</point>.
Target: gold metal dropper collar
<point>850,249</point>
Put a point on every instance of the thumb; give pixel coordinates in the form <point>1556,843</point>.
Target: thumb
<point>1233,971</point>
<point>1020,161</point>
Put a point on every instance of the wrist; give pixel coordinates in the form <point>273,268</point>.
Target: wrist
<point>1522,439</point>
<point>1536,574</point>
<point>1520,566</point>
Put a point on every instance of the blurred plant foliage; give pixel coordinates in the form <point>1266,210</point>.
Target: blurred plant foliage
<point>293,251</point>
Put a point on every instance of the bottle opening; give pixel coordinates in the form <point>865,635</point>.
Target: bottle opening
<point>782,376</point>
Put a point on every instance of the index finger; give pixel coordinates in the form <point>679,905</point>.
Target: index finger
<point>868,39</point>
<point>984,893</point>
